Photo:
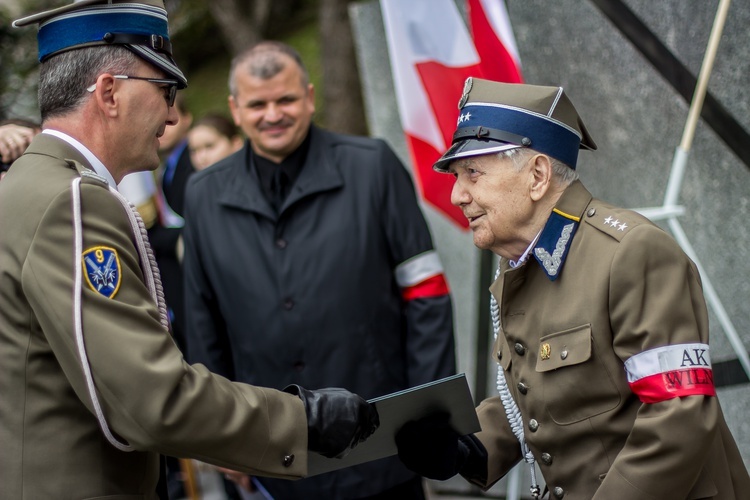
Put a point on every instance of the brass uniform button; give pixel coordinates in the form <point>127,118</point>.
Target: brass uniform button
<point>520,349</point>
<point>288,460</point>
<point>546,458</point>
<point>533,425</point>
<point>591,212</point>
<point>523,388</point>
<point>558,492</point>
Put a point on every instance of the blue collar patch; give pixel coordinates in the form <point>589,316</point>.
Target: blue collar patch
<point>101,267</point>
<point>554,242</point>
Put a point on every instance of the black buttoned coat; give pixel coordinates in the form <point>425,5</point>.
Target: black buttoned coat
<point>309,296</point>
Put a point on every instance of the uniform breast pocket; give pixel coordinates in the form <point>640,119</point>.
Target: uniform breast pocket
<point>575,383</point>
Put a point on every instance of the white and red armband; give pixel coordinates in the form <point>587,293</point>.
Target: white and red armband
<point>671,371</point>
<point>421,277</point>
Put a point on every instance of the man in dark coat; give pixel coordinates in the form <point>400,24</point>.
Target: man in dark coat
<point>307,259</point>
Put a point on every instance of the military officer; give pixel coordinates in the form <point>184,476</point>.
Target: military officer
<point>601,327</point>
<point>93,388</point>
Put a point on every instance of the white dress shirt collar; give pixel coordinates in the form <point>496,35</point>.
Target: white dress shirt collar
<point>525,256</point>
<point>98,166</point>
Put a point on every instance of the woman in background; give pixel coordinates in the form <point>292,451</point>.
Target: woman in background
<point>212,138</point>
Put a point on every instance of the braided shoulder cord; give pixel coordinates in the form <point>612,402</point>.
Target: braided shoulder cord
<point>511,408</point>
<point>153,282</point>
<point>146,254</point>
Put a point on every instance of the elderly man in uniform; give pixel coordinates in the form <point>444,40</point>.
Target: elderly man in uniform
<point>92,385</point>
<point>601,326</point>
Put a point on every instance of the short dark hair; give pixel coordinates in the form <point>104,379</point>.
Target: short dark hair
<point>265,62</point>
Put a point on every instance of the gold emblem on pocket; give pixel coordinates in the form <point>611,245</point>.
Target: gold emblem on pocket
<point>545,351</point>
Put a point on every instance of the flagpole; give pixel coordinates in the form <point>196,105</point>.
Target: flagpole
<point>670,210</point>
<point>680,159</point>
<point>705,72</point>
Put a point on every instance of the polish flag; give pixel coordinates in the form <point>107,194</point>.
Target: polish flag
<point>432,54</point>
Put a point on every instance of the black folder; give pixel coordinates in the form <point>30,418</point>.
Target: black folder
<point>448,395</point>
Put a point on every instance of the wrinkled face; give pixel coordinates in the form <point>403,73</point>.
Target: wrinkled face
<point>494,197</point>
<point>275,114</point>
<point>207,146</point>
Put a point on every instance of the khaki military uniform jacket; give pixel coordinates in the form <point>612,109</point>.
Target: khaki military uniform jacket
<point>569,323</point>
<point>52,443</point>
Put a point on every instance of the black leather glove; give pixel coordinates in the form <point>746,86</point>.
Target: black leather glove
<point>337,420</point>
<point>431,448</point>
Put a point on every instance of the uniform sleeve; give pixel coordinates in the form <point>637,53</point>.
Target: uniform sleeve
<point>420,277</point>
<point>658,314</point>
<point>150,397</point>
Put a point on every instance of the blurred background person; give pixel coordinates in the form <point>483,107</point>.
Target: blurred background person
<point>213,137</point>
<point>176,167</point>
<point>166,237</point>
<point>165,234</point>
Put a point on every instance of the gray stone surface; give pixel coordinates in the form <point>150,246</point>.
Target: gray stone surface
<point>637,120</point>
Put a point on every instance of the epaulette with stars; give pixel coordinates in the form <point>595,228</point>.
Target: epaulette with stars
<point>615,222</point>
<point>555,239</point>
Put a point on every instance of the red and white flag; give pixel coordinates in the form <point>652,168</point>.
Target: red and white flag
<point>432,54</point>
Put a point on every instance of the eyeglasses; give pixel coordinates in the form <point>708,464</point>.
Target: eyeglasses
<point>170,91</point>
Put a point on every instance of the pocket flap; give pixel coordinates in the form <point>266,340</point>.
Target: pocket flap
<point>565,348</point>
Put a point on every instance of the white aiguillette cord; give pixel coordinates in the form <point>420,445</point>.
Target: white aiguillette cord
<point>511,408</point>
<point>151,275</point>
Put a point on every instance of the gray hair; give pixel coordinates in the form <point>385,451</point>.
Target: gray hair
<point>562,172</point>
<point>266,60</point>
<point>63,78</point>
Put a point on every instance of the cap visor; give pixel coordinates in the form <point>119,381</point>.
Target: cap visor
<point>468,148</point>
<point>161,61</point>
